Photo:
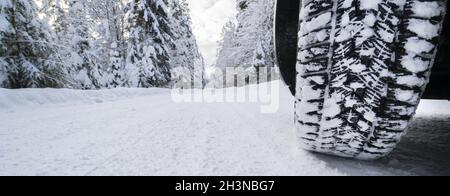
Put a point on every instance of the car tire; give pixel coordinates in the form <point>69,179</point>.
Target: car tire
<point>362,67</point>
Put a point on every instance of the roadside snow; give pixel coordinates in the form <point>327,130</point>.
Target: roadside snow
<point>142,132</point>
<point>37,98</point>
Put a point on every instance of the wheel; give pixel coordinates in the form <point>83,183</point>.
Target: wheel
<point>362,67</point>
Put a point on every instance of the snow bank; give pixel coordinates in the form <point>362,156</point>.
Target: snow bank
<point>32,98</point>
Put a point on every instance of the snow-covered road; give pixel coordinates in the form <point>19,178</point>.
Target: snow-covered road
<point>142,132</point>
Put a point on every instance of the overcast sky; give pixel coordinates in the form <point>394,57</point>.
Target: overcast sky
<point>208,17</point>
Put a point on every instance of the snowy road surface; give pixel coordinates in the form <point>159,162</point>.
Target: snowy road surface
<point>142,132</point>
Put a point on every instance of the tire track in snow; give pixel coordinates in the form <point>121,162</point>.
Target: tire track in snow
<point>93,137</point>
<point>151,132</point>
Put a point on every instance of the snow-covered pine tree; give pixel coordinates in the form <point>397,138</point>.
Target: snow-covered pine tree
<point>226,46</point>
<point>259,56</point>
<point>84,66</point>
<point>115,70</point>
<point>26,48</point>
<point>224,50</point>
<point>188,66</point>
<point>108,26</point>
<point>115,20</point>
<point>5,30</point>
<point>54,12</point>
<point>249,43</point>
<point>259,62</point>
<point>98,44</point>
<point>147,62</point>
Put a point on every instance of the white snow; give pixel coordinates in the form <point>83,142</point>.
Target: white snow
<point>358,67</point>
<point>142,132</point>
<point>411,81</point>
<point>347,3</point>
<point>418,46</point>
<point>415,65</point>
<point>370,19</point>
<point>321,35</point>
<point>423,28</point>
<point>309,91</point>
<point>345,19</point>
<point>5,3</point>
<point>4,24</point>
<point>331,107</point>
<point>365,34</point>
<point>317,22</point>
<point>343,35</point>
<point>405,95</point>
<point>370,4</point>
<point>426,9</point>
<point>329,124</point>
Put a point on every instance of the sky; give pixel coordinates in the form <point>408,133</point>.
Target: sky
<point>208,18</point>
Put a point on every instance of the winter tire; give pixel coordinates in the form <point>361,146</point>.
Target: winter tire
<point>362,67</point>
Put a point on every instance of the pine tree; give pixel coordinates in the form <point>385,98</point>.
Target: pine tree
<point>250,41</point>
<point>82,59</point>
<point>116,75</point>
<point>258,62</point>
<point>259,56</point>
<point>27,48</point>
<point>147,62</point>
<point>186,60</point>
<point>97,44</point>
<point>54,12</point>
<point>226,47</point>
<point>5,31</point>
<point>109,41</point>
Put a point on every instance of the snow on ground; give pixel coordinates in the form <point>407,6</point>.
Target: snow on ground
<point>142,132</point>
